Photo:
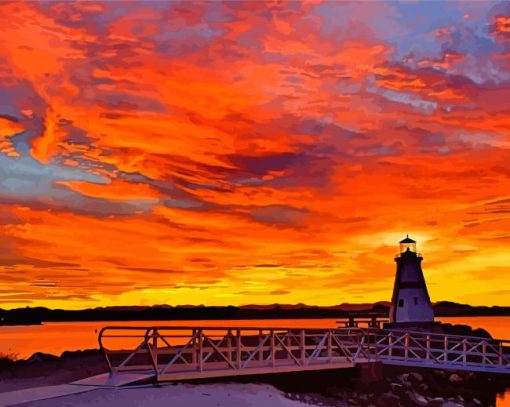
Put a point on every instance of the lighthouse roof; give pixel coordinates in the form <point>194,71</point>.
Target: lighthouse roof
<point>407,240</point>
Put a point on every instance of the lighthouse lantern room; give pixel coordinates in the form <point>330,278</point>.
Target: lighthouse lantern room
<point>407,243</point>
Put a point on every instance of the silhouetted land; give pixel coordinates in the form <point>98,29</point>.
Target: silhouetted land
<point>27,316</point>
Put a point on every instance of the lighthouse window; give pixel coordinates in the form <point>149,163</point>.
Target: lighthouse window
<point>400,303</point>
<point>415,300</point>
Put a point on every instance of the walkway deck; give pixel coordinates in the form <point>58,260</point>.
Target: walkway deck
<point>116,380</point>
<point>12,398</point>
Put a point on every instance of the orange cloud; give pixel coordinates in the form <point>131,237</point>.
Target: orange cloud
<point>114,190</point>
<point>502,25</point>
<point>232,153</point>
<point>8,128</point>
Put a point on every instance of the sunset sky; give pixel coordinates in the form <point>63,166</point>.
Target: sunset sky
<point>252,152</point>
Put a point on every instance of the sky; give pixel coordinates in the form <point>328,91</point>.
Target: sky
<point>229,153</point>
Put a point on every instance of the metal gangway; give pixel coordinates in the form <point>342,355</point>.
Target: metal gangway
<point>165,353</point>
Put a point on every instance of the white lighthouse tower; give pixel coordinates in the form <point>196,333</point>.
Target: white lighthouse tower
<point>410,304</point>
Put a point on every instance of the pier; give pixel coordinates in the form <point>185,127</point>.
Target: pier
<point>165,354</point>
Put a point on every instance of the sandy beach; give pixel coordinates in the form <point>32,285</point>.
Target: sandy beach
<point>224,395</point>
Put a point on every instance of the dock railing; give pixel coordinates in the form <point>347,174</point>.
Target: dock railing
<point>439,350</point>
<point>188,352</point>
<point>174,353</point>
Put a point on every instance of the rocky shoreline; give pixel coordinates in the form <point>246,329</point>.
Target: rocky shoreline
<point>43,369</point>
<point>423,388</point>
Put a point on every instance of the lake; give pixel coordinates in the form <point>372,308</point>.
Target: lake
<point>57,337</point>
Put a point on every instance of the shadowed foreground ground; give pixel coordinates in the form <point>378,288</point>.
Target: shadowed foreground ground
<point>396,387</point>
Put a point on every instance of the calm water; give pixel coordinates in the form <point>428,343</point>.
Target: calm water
<point>57,337</point>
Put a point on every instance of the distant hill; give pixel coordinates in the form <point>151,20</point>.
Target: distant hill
<point>26,316</point>
<point>342,307</point>
<point>447,308</point>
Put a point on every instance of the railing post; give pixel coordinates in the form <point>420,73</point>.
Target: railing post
<point>155,348</point>
<point>273,350</point>
<point>500,358</point>
<point>105,351</point>
<point>390,344</point>
<point>289,343</point>
<point>229,345</point>
<point>445,355</point>
<point>406,346</point>
<point>428,347</point>
<point>368,341</point>
<point>484,352</point>
<point>195,350</point>
<point>200,350</point>
<point>261,347</point>
<point>238,349</point>
<point>302,344</point>
<point>464,351</point>
<point>330,347</point>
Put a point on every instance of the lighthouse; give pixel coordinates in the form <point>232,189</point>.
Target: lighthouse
<point>410,304</point>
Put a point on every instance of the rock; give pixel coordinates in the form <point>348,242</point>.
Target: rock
<point>470,375</point>
<point>388,400</point>
<point>423,388</point>
<point>416,399</point>
<point>436,402</point>
<point>42,357</point>
<point>6,362</point>
<point>404,377</point>
<point>440,373</point>
<point>452,404</point>
<point>68,354</point>
<point>463,330</point>
<point>408,385</point>
<point>415,377</point>
<point>455,378</point>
